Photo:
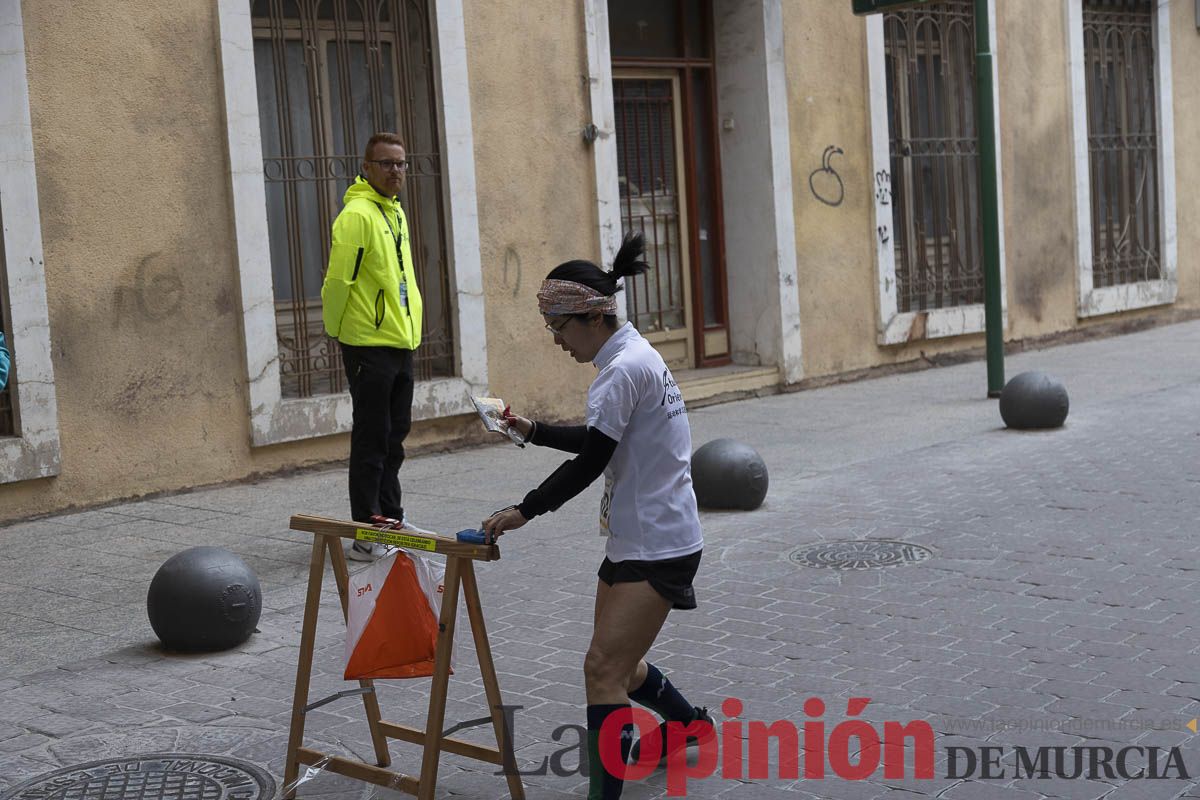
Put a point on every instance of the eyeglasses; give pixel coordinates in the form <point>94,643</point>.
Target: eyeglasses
<point>557,329</point>
<point>392,166</point>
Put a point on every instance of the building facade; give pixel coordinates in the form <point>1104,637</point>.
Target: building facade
<point>807,181</point>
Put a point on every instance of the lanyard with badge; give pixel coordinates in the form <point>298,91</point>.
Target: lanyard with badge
<point>399,237</point>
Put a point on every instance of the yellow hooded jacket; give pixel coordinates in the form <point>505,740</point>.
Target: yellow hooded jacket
<point>370,295</point>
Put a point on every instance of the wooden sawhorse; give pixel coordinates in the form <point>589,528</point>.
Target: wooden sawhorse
<point>460,572</point>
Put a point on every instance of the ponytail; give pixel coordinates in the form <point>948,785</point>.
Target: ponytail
<point>628,262</point>
<point>629,259</point>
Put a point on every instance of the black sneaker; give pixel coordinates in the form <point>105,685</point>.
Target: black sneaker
<point>710,731</point>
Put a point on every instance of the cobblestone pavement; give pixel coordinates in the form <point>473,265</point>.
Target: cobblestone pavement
<point>1058,607</point>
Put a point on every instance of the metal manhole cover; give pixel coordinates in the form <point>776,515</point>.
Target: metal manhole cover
<point>859,554</point>
<point>160,776</point>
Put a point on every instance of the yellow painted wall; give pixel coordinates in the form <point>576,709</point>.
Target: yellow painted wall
<point>141,273</point>
<point>1039,170</point>
<point>1037,162</point>
<point>835,245</point>
<point>536,188</point>
<point>828,104</point>
<point>1185,59</point>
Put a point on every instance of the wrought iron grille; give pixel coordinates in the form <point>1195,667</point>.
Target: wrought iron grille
<point>8,396</point>
<point>330,73</point>
<point>650,203</point>
<point>936,229</point>
<point>1118,44</point>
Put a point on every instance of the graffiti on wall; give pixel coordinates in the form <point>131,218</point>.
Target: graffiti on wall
<point>824,181</point>
<point>883,197</point>
<point>883,187</point>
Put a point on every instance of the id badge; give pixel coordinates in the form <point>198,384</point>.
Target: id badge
<point>403,281</point>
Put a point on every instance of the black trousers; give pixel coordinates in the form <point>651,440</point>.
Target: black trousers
<point>381,388</point>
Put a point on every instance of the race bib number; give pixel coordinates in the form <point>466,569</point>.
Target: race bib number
<point>606,506</point>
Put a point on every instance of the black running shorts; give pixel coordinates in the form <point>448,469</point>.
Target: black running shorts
<point>671,577</point>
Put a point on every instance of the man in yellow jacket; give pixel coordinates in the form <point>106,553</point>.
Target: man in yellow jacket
<point>372,306</point>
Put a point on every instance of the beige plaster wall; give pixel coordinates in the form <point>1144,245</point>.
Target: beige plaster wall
<point>825,49</point>
<point>1037,161</point>
<point>1185,59</point>
<point>138,233</point>
<point>536,188</point>
<point>141,279</point>
<point>828,104</point>
<point>1040,171</point>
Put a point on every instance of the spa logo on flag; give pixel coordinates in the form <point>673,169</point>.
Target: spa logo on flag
<point>392,624</point>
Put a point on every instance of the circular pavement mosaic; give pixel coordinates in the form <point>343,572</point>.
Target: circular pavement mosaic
<point>859,554</point>
<point>161,776</point>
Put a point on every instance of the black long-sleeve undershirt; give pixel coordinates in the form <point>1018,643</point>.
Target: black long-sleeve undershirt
<point>569,438</point>
<point>573,476</point>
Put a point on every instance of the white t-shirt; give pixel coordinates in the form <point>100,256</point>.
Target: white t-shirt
<point>649,508</point>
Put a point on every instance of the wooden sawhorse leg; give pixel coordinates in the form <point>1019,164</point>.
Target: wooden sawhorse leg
<point>370,700</point>
<point>491,684</point>
<point>308,638</point>
<point>461,572</point>
<point>441,677</point>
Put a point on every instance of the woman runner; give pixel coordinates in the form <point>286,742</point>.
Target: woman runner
<point>636,435</point>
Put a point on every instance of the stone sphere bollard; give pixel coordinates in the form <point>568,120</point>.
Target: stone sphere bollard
<point>1033,400</point>
<point>727,474</point>
<point>204,598</point>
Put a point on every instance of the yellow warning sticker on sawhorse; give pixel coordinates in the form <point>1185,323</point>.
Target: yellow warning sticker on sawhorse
<point>396,539</point>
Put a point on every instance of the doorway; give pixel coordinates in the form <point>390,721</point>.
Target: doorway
<point>664,99</point>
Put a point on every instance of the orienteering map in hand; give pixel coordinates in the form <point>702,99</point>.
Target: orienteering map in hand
<point>491,411</point>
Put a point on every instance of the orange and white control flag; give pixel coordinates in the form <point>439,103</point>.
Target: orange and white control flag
<point>392,624</point>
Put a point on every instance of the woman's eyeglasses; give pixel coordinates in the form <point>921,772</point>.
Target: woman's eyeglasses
<point>557,329</point>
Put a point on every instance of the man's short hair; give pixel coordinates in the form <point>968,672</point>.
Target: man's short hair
<point>382,137</point>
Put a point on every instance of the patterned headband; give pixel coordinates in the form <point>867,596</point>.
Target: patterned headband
<point>559,298</point>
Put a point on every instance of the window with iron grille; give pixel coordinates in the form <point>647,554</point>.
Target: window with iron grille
<point>1123,142</point>
<point>330,73</point>
<point>934,153</point>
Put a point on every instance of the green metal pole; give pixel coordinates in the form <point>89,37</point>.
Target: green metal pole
<point>989,204</point>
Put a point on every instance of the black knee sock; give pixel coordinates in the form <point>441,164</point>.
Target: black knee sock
<point>602,785</point>
<point>657,694</point>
